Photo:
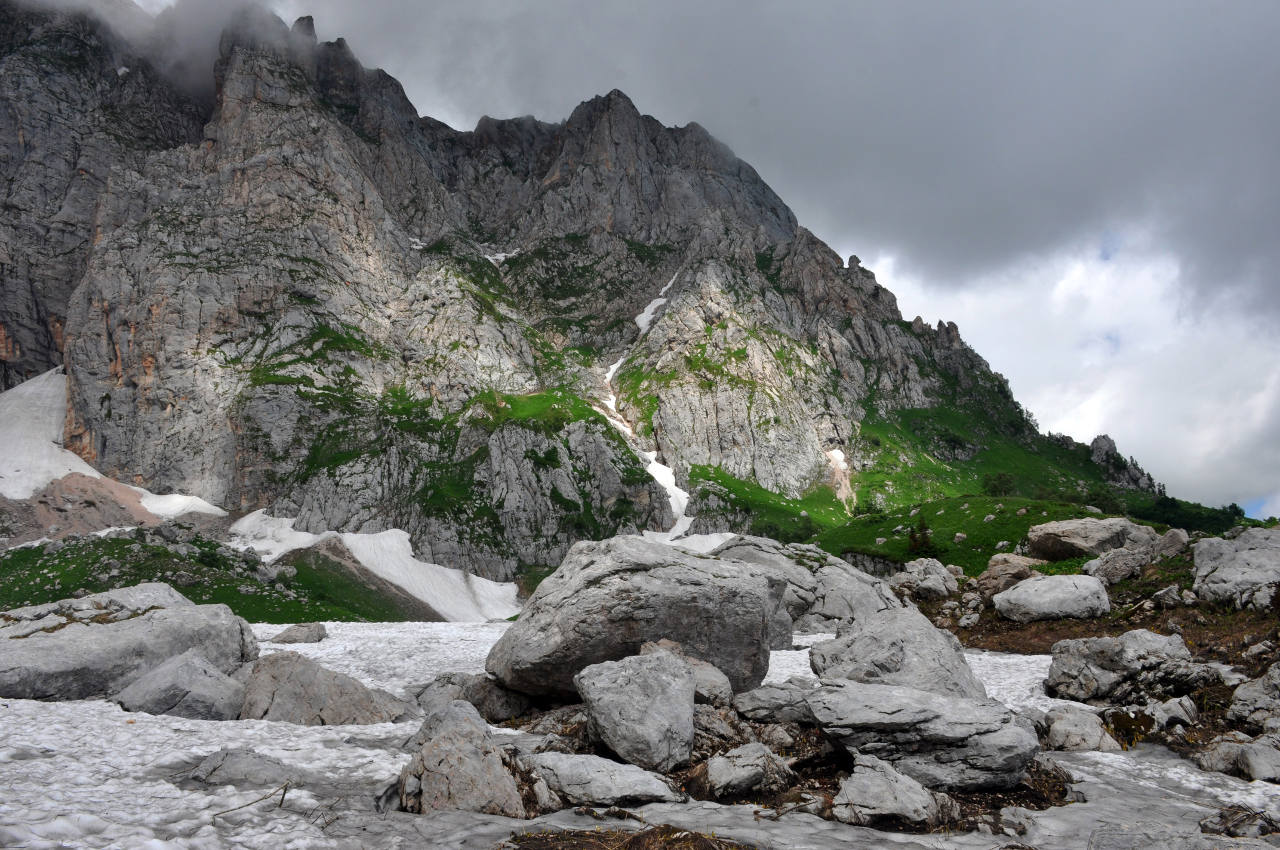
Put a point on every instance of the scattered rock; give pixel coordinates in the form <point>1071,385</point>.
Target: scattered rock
<point>1053,597</point>
<point>925,578</point>
<point>1119,564</point>
<point>897,647</point>
<point>641,708</point>
<point>587,780</point>
<point>186,685</point>
<point>1003,572</point>
<point>302,633</point>
<point>291,688</point>
<point>1244,571</point>
<point>875,792</point>
<point>609,598</point>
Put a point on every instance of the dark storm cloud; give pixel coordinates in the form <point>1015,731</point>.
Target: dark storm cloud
<point>958,137</point>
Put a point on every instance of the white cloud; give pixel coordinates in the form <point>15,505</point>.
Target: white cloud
<point>1109,346</point>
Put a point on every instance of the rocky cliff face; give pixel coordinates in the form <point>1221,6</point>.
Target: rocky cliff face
<point>322,304</point>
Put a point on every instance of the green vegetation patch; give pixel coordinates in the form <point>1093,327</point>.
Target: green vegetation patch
<point>771,514</point>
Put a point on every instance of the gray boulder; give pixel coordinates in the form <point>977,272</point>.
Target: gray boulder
<point>1134,668</point>
<point>875,792</point>
<point>746,769</point>
<point>710,686</point>
<point>1256,704</point>
<point>786,702</point>
<point>641,708</point>
<point>458,766</point>
<point>897,647</point>
<point>925,578</point>
<point>1077,729</point>
<point>1003,572</point>
<point>495,703</point>
<point>291,688</point>
<point>240,767</point>
<point>1071,538</point>
<point>943,742</point>
<point>1053,598</point>
<point>97,645</point>
<point>795,563</point>
<point>1244,571</point>
<point>610,597</point>
<point>845,592</point>
<point>302,633</point>
<point>1237,754</point>
<point>187,685</point>
<point>1119,564</point>
<point>1172,542</point>
<point>586,780</point>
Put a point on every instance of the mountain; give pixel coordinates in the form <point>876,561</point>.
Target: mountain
<point>274,286</point>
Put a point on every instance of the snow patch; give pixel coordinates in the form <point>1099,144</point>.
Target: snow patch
<point>454,594</point>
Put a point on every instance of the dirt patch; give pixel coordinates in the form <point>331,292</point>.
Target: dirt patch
<point>653,838</point>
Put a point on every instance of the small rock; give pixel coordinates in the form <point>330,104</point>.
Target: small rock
<point>302,633</point>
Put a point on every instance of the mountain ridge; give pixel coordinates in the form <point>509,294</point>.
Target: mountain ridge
<point>340,311</point>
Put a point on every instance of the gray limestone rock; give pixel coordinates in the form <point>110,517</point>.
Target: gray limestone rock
<point>1119,564</point>
<point>186,685</point>
<point>785,702</point>
<point>495,703</point>
<point>1077,729</point>
<point>943,742</point>
<point>291,688</point>
<point>98,644</point>
<point>239,767</point>
<point>459,767</point>
<point>641,708</point>
<point>1244,571</point>
<point>1003,572</point>
<point>302,633</point>
<point>897,647</point>
<point>1053,597</point>
<point>587,780</point>
<point>710,685</point>
<point>1070,538</point>
<point>875,792</point>
<point>1135,667</point>
<point>925,578</point>
<point>746,769</point>
<point>1257,702</point>
<point>609,598</point>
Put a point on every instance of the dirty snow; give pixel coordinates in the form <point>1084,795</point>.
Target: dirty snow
<point>454,594</point>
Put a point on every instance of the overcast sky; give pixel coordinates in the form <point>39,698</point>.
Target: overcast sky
<point>1091,190</point>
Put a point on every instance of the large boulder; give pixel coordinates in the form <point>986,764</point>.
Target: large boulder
<point>97,645</point>
<point>641,708</point>
<point>187,685</point>
<point>1119,564</point>
<point>1071,538</point>
<point>822,590</point>
<point>611,597</point>
<point>586,780</point>
<point>291,688</point>
<point>875,793</point>
<point>897,647</point>
<point>458,766</point>
<point>302,633</point>
<point>1077,729</point>
<point>1134,668</point>
<point>943,742</point>
<point>1244,571</point>
<point>1053,598</point>
<point>1256,704</point>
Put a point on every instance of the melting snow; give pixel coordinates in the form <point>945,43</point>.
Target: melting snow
<point>454,594</point>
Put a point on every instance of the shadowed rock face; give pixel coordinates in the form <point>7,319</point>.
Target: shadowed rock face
<point>309,299</point>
